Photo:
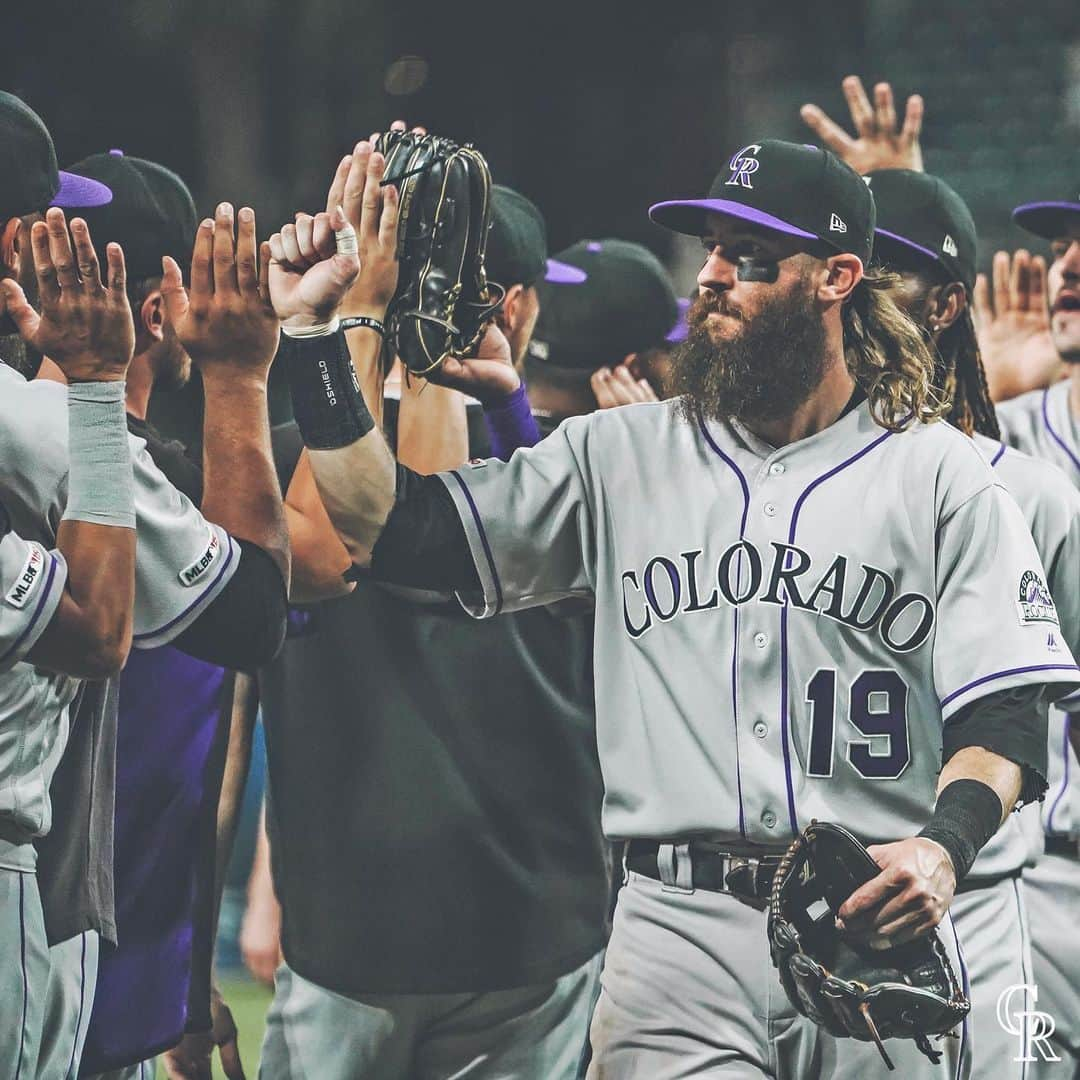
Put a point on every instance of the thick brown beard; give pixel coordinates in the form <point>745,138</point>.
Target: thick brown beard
<point>764,373</point>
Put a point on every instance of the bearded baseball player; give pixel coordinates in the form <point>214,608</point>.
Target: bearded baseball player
<point>926,233</point>
<point>788,627</point>
<point>1046,424</point>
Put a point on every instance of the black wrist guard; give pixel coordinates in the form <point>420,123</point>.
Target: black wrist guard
<point>967,814</point>
<point>327,403</point>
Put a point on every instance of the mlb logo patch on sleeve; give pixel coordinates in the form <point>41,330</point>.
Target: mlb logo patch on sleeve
<point>193,573</point>
<point>28,580</point>
<point>1035,603</point>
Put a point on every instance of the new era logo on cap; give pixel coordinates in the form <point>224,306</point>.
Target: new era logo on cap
<point>948,245</point>
<point>743,165</point>
<point>836,224</point>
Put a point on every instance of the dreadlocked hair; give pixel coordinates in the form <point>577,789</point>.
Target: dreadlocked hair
<point>889,356</point>
<point>962,377</point>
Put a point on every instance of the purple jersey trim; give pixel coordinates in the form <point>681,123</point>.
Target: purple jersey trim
<point>735,646</point>
<point>37,611</point>
<point>1004,675</point>
<point>1025,947</point>
<point>783,621</point>
<point>966,984</point>
<point>82,1003</point>
<point>483,540</point>
<point>25,977</point>
<point>196,602</point>
<point>998,456</point>
<point>1065,753</point>
<point>1054,435</point>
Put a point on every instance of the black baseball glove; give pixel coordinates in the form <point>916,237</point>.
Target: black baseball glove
<point>851,990</point>
<point>443,299</point>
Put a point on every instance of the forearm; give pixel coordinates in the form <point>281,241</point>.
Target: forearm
<point>365,351</point>
<point>240,488</point>
<point>319,558</point>
<point>433,433</point>
<point>1002,776</point>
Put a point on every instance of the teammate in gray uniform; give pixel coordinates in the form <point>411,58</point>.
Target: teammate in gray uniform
<point>773,644</point>
<point>1046,424</point>
<point>926,233</point>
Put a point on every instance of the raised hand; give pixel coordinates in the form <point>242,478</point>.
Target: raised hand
<point>372,211</point>
<point>617,386</point>
<point>878,143</point>
<point>1013,328</point>
<point>489,376</point>
<point>226,318</point>
<point>313,263</point>
<point>85,323</point>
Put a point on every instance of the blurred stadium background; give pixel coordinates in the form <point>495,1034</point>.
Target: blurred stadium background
<point>595,110</point>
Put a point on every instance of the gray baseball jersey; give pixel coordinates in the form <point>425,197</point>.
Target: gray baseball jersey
<point>1041,424</point>
<point>182,563</point>
<point>781,634</point>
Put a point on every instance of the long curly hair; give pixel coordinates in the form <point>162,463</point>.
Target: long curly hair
<point>889,356</point>
<point>962,377</point>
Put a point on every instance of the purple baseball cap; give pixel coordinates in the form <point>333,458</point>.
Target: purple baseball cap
<point>29,178</point>
<point>679,331</point>
<point>793,189</point>
<point>1048,219</point>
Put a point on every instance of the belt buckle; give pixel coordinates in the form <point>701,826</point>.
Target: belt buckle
<point>742,880</point>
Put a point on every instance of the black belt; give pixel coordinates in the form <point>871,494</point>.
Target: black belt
<point>749,878</point>
<point>1063,845</point>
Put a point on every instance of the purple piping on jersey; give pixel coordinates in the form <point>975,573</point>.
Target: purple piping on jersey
<point>964,982</point>
<point>1028,980</point>
<point>735,644</point>
<point>195,603</point>
<point>1065,753</point>
<point>37,611</point>
<point>25,980</point>
<point>82,1000</point>
<point>1054,435</point>
<point>1004,674</point>
<point>783,621</point>
<point>998,456</point>
<point>483,540</point>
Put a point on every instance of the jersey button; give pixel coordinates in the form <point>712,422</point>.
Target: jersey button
<point>768,819</point>
<point>770,509</point>
<point>761,729</point>
<point>761,640</point>
<point>777,468</point>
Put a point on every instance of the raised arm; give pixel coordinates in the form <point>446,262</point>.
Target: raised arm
<point>85,325</point>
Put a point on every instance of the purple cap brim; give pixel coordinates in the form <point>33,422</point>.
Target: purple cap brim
<point>1044,218</point>
<point>688,216</point>
<point>560,273</point>
<point>908,243</point>
<point>681,328</point>
<point>76,192</point>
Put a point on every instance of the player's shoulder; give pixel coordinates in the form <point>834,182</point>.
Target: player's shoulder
<point>947,461</point>
<point>642,420</point>
<point>1039,485</point>
<point>1029,405</point>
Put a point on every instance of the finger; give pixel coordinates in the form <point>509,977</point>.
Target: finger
<point>323,242</point>
<point>388,222</point>
<point>202,280</point>
<point>1018,280</point>
<point>398,125</point>
<point>44,271</point>
<point>981,299</point>
<point>913,118</point>
<point>337,185</point>
<point>418,130</point>
<point>291,247</point>
<point>277,249</point>
<point>305,228</point>
<point>60,249</point>
<point>601,385</point>
<point>346,258</point>
<point>884,108</point>
<point>902,917</point>
<point>352,200</point>
<point>265,256</point>
<point>114,257</point>
<point>1037,284</point>
<point>224,253</point>
<point>867,896</point>
<point>247,247</point>
<point>1000,270</point>
<point>862,116</point>
<point>230,1059</point>
<point>647,392</point>
<point>369,212</point>
<point>85,255</point>
<point>828,131</point>
<point>20,310</point>
<point>172,290</point>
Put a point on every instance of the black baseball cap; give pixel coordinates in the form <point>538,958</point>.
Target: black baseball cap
<point>626,304</point>
<point>919,212</point>
<point>30,182</point>
<point>1049,219</point>
<point>788,187</point>
<point>517,249</point>
<point>151,213</point>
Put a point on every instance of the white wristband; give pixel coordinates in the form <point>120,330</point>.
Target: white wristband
<point>318,330</point>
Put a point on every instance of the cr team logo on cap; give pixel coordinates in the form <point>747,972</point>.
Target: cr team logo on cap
<point>743,166</point>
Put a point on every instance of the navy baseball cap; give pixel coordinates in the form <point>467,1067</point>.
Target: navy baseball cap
<point>1049,219</point>
<point>30,182</point>
<point>919,212</point>
<point>791,188</point>
<point>517,248</point>
<point>151,213</point>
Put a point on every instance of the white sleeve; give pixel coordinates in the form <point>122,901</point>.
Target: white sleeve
<point>997,623</point>
<point>31,584</point>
